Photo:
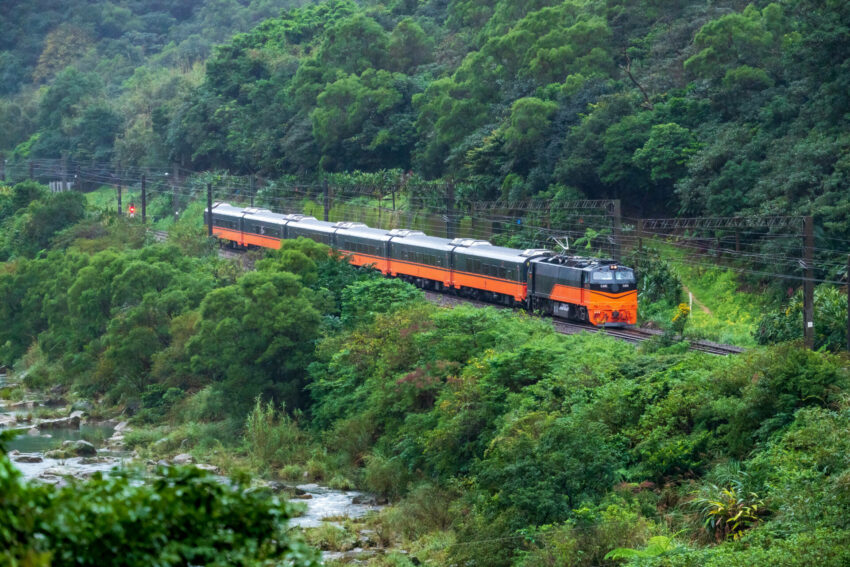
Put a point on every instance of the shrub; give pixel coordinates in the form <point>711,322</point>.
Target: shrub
<point>182,516</point>
<point>274,438</point>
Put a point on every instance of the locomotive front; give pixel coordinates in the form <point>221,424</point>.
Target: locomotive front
<point>610,295</point>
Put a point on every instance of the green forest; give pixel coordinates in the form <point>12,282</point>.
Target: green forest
<point>674,106</point>
<point>496,440</point>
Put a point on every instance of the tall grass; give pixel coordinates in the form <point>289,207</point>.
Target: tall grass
<point>274,438</point>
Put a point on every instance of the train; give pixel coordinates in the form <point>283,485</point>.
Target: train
<point>594,290</point>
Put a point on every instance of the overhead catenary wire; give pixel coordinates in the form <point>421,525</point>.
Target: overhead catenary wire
<point>129,177</point>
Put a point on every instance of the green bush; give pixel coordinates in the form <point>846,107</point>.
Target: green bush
<point>830,319</point>
<point>181,516</point>
<point>274,438</point>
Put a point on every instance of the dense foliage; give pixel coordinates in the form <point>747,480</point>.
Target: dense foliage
<point>509,443</point>
<point>672,106</point>
<point>572,447</point>
<point>180,517</point>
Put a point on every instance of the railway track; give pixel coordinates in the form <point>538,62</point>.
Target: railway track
<point>562,326</point>
<point>635,336</point>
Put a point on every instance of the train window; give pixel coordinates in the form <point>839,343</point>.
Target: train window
<point>624,275</point>
<point>603,276</point>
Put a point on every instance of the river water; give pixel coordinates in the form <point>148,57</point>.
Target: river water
<point>319,501</point>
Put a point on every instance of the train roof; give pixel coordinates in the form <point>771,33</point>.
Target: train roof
<point>418,238</point>
<point>227,209</point>
<point>493,253</point>
<point>312,223</point>
<point>361,230</point>
<point>578,262</point>
<point>264,215</point>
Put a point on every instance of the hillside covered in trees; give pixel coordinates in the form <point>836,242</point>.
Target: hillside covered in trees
<point>499,442</point>
<point>674,106</point>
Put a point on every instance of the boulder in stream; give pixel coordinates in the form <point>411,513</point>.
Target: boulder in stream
<point>83,406</point>
<point>61,423</point>
<point>28,458</point>
<point>7,419</point>
<point>183,459</point>
<point>80,448</point>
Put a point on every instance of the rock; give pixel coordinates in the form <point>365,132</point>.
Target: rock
<point>209,468</point>
<point>59,389</point>
<point>28,459</point>
<point>83,448</point>
<point>55,402</point>
<point>83,406</point>
<point>56,471</point>
<point>303,497</point>
<point>123,426</point>
<point>58,454</point>
<point>365,500</point>
<point>34,432</point>
<point>163,463</point>
<point>95,460</point>
<point>7,419</point>
<point>14,452</point>
<point>183,459</point>
<point>77,413</point>
<point>61,423</point>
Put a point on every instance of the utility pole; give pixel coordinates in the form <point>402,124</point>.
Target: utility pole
<point>808,283</point>
<point>450,206</point>
<point>64,171</point>
<point>120,210</point>
<point>251,185</point>
<point>327,199</point>
<point>209,210</point>
<point>639,231</point>
<point>618,230</point>
<point>174,193</point>
<point>144,200</point>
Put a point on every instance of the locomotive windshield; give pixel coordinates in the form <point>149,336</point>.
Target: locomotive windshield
<point>606,275</point>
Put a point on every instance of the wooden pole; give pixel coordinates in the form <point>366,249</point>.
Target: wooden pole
<point>327,199</point>
<point>618,230</point>
<point>808,283</point>
<point>450,206</point>
<point>640,235</point>
<point>120,211</point>
<point>144,200</point>
<point>209,210</point>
